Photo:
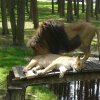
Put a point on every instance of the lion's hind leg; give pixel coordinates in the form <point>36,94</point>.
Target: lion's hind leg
<point>47,69</point>
<point>52,66</point>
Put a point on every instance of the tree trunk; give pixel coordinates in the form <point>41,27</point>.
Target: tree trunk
<point>52,6</point>
<point>62,8</point>
<point>96,9</point>
<point>99,6</point>
<point>83,10</point>
<point>26,4</point>
<point>4,18</point>
<point>20,21</point>
<point>77,13</point>
<point>69,11</point>
<point>58,1</point>
<point>35,13</point>
<point>31,10</point>
<point>12,19</point>
<point>91,8</point>
<point>75,10</point>
<point>88,10</point>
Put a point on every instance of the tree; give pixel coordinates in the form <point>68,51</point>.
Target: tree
<point>62,8</point>
<point>31,10</point>
<point>17,26</point>
<point>69,11</point>
<point>83,10</point>
<point>58,2</point>
<point>88,10</point>
<point>97,9</point>
<point>4,18</point>
<point>91,8</point>
<point>20,22</point>
<point>77,11</point>
<point>35,13</point>
<point>99,6</point>
<point>52,6</point>
<point>27,6</point>
<point>76,8</point>
<point>11,7</point>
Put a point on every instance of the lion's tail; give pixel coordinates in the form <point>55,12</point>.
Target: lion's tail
<point>98,41</point>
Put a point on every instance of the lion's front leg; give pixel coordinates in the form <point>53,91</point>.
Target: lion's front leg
<point>31,64</point>
<point>37,68</point>
<point>47,69</point>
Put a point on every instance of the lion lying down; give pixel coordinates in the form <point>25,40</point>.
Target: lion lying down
<point>42,64</point>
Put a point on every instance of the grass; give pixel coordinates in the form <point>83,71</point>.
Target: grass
<point>41,93</point>
<point>14,56</point>
<point>46,11</point>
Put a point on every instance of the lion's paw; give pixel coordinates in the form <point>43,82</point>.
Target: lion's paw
<point>39,72</point>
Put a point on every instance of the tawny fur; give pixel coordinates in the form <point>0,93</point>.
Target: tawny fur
<point>57,38</point>
<point>42,64</point>
<point>86,32</point>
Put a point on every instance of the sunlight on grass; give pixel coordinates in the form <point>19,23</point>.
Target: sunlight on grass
<point>41,93</point>
<point>10,57</point>
<point>45,11</point>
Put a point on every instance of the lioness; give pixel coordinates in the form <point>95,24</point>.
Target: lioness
<point>41,64</point>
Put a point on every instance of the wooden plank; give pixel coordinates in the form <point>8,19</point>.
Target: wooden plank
<point>21,73</point>
<point>52,79</point>
<point>92,64</point>
<point>18,72</point>
<point>14,88</point>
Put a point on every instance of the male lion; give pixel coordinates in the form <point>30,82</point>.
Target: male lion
<point>56,38</point>
<point>42,64</point>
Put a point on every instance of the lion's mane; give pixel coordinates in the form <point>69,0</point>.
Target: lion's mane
<point>52,36</point>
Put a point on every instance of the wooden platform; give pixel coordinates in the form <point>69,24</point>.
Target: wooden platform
<point>92,65</point>
<point>17,81</point>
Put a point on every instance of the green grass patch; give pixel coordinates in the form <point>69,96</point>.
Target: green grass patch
<point>41,93</point>
<point>10,57</point>
<point>45,11</point>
